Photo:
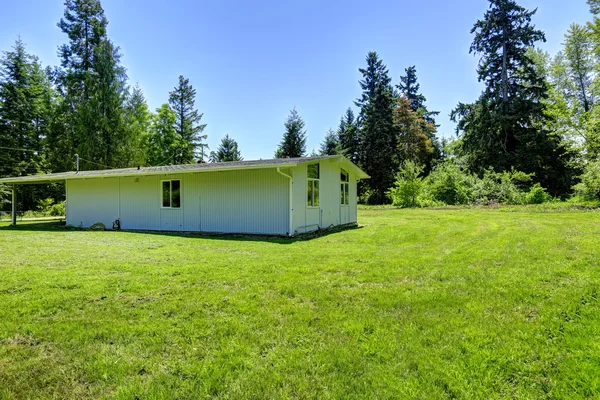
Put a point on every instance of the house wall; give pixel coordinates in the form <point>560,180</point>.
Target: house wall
<point>248,201</point>
<point>330,211</point>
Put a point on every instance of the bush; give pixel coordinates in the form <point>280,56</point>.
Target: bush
<point>589,187</point>
<point>501,188</point>
<point>537,195</point>
<point>449,184</point>
<point>47,207</point>
<point>407,189</point>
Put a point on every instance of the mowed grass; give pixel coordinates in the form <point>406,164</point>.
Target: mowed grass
<point>424,304</point>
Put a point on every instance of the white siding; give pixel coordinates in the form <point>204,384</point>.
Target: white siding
<point>93,200</point>
<point>244,201</point>
<point>248,201</point>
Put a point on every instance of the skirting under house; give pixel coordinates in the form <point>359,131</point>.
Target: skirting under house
<point>284,196</point>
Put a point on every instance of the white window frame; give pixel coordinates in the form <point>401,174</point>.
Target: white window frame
<point>312,181</point>
<point>344,189</point>
<point>170,207</point>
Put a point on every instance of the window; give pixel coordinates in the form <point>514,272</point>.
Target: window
<point>344,187</point>
<point>313,185</point>
<point>171,194</point>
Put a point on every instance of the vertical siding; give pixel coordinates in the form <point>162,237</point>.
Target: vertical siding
<point>140,203</point>
<point>250,201</point>
<point>93,200</point>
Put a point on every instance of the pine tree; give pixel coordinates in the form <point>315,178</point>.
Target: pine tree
<point>182,100</point>
<point>163,143</point>
<point>293,143</point>
<point>25,111</point>
<point>330,145</point>
<point>93,86</point>
<point>409,88</point>
<point>378,139</point>
<point>227,151</point>
<point>507,127</point>
<point>348,137</point>
<point>414,143</point>
<point>137,120</point>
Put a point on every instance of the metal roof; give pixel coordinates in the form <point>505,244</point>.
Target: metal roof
<point>178,169</point>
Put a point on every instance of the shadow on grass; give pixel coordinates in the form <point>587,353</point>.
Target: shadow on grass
<point>55,226</point>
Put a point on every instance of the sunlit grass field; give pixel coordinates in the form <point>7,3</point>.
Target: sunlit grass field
<point>420,304</point>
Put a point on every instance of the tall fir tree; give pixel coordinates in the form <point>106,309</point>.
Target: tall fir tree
<point>163,143</point>
<point>187,125</point>
<point>93,86</point>
<point>409,88</point>
<point>26,98</point>
<point>137,120</point>
<point>293,143</point>
<point>378,155</point>
<point>330,145</point>
<point>227,151</point>
<point>414,134</point>
<point>507,126</point>
<point>348,136</point>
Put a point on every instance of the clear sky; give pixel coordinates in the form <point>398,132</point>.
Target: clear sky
<point>251,62</point>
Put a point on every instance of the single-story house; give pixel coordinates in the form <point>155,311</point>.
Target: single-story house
<point>285,196</point>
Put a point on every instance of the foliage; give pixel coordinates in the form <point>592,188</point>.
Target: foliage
<point>537,195</point>
<point>409,184</point>
<point>348,137</point>
<point>187,124</point>
<point>378,155</point>
<point>449,184</point>
<point>93,86</point>
<point>330,145</point>
<point>589,187</point>
<point>163,145</point>
<point>138,119</point>
<point>227,151</point>
<point>293,142</point>
<point>507,127</point>
<point>48,207</point>
<point>414,134</point>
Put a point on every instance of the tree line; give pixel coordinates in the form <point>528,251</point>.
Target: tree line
<point>537,114</point>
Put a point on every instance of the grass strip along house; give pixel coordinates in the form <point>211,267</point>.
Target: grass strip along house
<point>284,196</point>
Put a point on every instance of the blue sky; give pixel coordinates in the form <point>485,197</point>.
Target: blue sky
<point>251,62</point>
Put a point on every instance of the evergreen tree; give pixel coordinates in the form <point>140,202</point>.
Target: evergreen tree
<point>227,151</point>
<point>378,139</point>
<point>414,143</point>
<point>187,125</point>
<point>138,119</point>
<point>507,127</point>
<point>293,143</point>
<point>25,112</point>
<point>93,86</point>
<point>163,143</point>
<point>409,88</point>
<point>330,145</point>
<point>348,137</point>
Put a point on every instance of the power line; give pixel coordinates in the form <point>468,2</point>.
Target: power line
<point>95,163</point>
<point>13,148</point>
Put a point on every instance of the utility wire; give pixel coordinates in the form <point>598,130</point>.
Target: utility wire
<point>95,163</point>
<point>12,148</point>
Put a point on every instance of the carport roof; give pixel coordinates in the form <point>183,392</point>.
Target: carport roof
<point>178,169</point>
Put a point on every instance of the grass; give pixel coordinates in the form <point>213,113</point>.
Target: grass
<point>424,304</point>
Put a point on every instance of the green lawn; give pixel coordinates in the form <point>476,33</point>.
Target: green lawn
<point>419,304</point>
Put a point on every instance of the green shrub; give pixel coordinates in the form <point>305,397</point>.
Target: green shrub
<point>58,209</point>
<point>589,187</point>
<point>500,187</point>
<point>537,195</point>
<point>449,184</point>
<point>407,189</point>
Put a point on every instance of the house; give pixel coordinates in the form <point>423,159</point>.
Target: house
<point>284,196</point>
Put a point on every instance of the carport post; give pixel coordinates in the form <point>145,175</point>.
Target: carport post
<point>14,205</point>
